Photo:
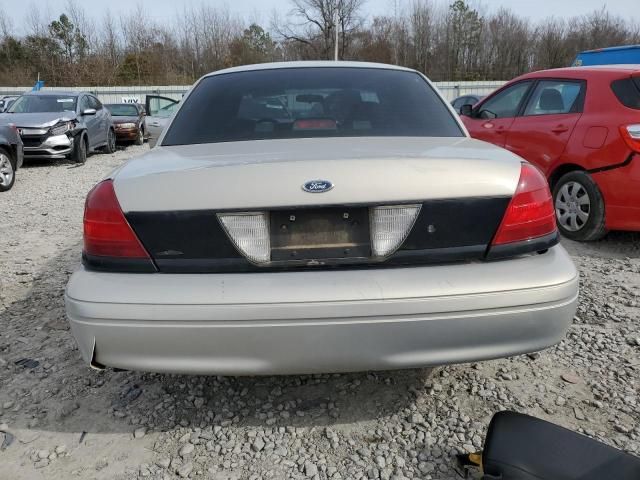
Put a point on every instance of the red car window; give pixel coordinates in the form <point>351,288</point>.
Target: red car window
<point>507,102</point>
<point>554,97</point>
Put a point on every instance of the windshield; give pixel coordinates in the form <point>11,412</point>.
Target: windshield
<point>122,110</point>
<point>43,103</point>
<point>311,102</point>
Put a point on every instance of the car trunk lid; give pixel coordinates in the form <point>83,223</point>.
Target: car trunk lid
<point>245,205</point>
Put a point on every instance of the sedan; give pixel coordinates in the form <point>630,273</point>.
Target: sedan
<point>581,127</point>
<point>457,103</point>
<point>313,217</point>
<point>128,121</point>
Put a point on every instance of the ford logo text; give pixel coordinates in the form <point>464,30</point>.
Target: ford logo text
<point>317,186</point>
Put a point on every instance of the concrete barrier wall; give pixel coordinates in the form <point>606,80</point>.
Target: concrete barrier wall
<point>450,90</point>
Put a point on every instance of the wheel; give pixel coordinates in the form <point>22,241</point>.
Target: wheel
<point>110,147</point>
<point>579,207</point>
<point>7,171</point>
<point>79,154</point>
<point>140,137</point>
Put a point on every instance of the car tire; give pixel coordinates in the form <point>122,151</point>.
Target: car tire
<point>79,154</point>
<point>110,147</point>
<point>579,206</point>
<point>7,171</point>
<point>140,137</point>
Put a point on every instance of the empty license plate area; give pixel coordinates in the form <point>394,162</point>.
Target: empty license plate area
<point>322,233</point>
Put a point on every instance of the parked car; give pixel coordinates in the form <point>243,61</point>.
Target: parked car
<point>11,156</point>
<point>465,100</point>
<point>159,110</point>
<point>6,102</point>
<point>128,121</point>
<point>581,127</point>
<point>365,231</point>
<point>57,125</point>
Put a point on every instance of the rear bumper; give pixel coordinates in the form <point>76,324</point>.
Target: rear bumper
<point>325,321</point>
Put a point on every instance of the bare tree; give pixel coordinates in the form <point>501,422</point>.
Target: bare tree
<point>455,40</point>
<point>313,23</point>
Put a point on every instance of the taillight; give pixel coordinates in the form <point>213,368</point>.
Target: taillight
<point>106,231</point>
<point>530,213</point>
<point>631,136</point>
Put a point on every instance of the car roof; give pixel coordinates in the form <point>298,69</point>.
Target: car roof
<point>309,64</point>
<point>583,72</point>
<point>54,92</point>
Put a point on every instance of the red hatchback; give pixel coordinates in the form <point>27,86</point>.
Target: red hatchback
<point>581,127</point>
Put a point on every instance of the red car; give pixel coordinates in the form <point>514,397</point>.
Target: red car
<point>581,127</point>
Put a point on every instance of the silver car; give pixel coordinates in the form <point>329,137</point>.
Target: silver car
<point>58,125</point>
<point>318,217</point>
<point>159,111</point>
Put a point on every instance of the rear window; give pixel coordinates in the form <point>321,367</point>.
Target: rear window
<point>311,102</point>
<point>628,91</point>
<point>122,110</point>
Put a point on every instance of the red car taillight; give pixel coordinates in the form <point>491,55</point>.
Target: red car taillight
<point>631,136</point>
<point>106,231</point>
<point>530,213</point>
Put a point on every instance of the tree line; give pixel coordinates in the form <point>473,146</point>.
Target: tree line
<point>447,41</point>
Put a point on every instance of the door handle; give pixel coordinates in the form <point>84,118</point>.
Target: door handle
<point>155,124</point>
<point>560,129</point>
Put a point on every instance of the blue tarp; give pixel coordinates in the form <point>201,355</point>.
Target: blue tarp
<point>629,54</point>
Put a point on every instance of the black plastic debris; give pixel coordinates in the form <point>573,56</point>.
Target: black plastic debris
<point>27,363</point>
<point>468,463</point>
<point>127,396</point>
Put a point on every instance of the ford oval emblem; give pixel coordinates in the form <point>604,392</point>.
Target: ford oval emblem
<point>317,186</point>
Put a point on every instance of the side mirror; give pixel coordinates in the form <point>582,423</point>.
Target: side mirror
<point>466,109</point>
<point>89,111</point>
<point>487,115</point>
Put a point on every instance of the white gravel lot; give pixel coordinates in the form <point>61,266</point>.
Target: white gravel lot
<point>61,420</point>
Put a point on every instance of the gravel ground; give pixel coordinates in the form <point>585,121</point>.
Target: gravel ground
<point>60,420</point>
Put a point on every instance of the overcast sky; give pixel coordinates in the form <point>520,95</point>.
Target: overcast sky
<point>164,10</point>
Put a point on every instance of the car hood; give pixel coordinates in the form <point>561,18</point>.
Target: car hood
<point>270,173</point>
<point>36,120</point>
<point>125,119</point>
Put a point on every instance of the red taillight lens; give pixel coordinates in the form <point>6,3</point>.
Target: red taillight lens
<point>631,136</point>
<point>530,213</point>
<point>106,232</point>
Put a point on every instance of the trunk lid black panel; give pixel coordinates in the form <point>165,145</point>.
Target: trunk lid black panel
<point>445,231</point>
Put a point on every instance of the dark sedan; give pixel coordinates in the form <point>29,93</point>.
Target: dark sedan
<point>470,99</point>
<point>129,123</point>
<point>11,156</point>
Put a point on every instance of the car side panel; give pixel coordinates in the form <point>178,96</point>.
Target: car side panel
<point>492,131</point>
<point>541,139</point>
<point>597,147</point>
<point>621,190</point>
<point>92,123</point>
